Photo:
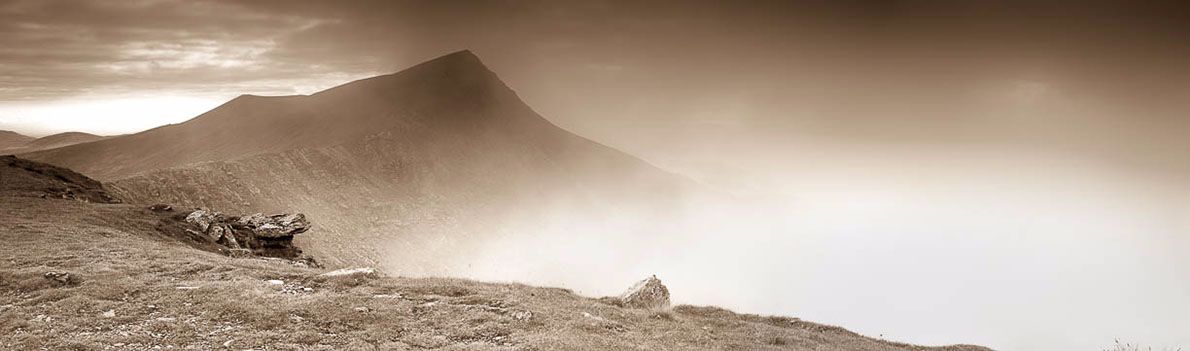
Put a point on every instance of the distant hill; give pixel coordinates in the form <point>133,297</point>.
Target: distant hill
<point>17,143</point>
<point>407,169</point>
<point>12,140</point>
<point>60,140</point>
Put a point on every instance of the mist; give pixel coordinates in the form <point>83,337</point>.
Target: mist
<point>925,246</point>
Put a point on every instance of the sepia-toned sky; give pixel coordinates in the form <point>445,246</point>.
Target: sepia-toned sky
<point>1062,125</point>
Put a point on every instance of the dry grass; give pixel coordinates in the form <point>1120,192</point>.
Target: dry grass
<point>137,288</point>
<point>1124,346</point>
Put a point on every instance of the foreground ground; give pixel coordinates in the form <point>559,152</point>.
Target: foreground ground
<point>134,285</point>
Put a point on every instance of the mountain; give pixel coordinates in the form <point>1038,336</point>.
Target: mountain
<point>12,140</point>
<point>87,273</point>
<point>406,170</point>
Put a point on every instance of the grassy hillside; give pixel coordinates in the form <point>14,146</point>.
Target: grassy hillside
<point>132,284</point>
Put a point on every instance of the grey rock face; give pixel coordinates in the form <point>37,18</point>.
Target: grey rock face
<point>648,293</point>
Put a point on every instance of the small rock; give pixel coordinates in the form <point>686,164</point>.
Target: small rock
<point>648,293</point>
<point>61,278</point>
<point>161,208</point>
<point>276,282</point>
<point>361,309</point>
<point>108,314</point>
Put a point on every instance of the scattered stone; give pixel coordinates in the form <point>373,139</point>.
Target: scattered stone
<point>161,208</point>
<point>522,315</point>
<point>295,288</point>
<point>648,293</point>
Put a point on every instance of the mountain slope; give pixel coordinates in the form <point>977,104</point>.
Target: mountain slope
<point>408,170</point>
<point>96,276</point>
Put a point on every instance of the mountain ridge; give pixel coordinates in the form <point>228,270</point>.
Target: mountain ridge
<point>410,170</point>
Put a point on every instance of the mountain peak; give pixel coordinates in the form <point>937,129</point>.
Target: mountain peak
<point>451,73</point>
<point>461,55</point>
<point>455,65</point>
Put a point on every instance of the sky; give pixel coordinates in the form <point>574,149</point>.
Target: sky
<point>1009,174</point>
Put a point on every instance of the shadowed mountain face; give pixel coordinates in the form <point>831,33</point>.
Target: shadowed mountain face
<point>404,170</point>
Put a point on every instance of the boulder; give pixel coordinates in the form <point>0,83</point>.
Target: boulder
<point>252,235</point>
<point>648,293</point>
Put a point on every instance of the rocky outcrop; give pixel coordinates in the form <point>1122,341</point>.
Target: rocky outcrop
<point>252,235</point>
<point>648,293</point>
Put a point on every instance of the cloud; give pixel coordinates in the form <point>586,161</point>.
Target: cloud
<point>59,49</point>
